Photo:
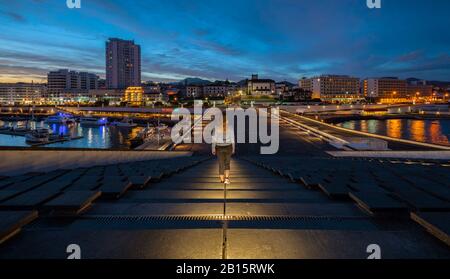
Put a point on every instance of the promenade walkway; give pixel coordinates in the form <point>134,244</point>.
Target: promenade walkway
<point>342,133</point>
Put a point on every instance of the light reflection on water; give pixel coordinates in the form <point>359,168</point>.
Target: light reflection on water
<point>93,137</point>
<point>431,131</point>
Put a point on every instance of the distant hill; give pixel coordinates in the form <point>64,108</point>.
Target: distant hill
<point>443,84</point>
<point>194,81</point>
<point>287,83</point>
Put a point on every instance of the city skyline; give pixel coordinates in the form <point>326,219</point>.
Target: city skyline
<point>283,40</point>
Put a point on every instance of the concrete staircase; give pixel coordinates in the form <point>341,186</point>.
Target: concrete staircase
<point>193,215</point>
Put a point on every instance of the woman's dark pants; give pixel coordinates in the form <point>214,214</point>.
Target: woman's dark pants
<point>224,156</point>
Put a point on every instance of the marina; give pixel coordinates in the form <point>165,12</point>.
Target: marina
<point>85,132</point>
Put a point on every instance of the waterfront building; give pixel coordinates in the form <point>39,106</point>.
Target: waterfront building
<point>134,95</point>
<point>22,93</point>
<point>258,87</point>
<point>123,64</point>
<point>65,85</point>
<point>112,96</point>
<point>419,89</point>
<point>88,81</point>
<point>332,88</point>
<point>59,81</point>
<point>386,90</point>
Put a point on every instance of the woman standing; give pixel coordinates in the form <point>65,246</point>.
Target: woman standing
<point>223,146</point>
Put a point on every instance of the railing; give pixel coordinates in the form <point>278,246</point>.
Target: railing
<point>410,142</point>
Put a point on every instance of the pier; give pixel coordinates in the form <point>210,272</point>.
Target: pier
<point>51,141</point>
<point>56,139</point>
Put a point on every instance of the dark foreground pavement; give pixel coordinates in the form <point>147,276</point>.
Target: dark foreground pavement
<point>190,215</point>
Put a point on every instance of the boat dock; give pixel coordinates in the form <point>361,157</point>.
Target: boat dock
<point>50,141</point>
<point>14,133</point>
<point>56,141</point>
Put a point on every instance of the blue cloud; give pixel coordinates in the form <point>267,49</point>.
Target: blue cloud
<point>280,39</point>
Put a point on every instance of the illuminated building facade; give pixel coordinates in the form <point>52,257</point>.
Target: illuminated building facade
<point>258,87</point>
<point>65,85</point>
<point>418,89</point>
<point>134,95</point>
<point>305,84</point>
<point>386,90</point>
<point>332,88</point>
<point>22,93</point>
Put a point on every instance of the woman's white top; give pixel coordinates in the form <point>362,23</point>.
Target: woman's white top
<point>223,139</point>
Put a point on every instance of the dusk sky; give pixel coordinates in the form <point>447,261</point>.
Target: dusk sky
<point>218,39</point>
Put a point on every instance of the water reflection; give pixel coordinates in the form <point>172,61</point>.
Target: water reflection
<point>364,125</point>
<point>93,137</point>
<point>372,126</point>
<point>431,131</point>
<point>394,128</point>
<point>417,130</point>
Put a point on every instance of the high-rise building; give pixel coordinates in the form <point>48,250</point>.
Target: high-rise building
<point>59,81</point>
<point>332,88</point>
<point>123,64</point>
<point>88,81</point>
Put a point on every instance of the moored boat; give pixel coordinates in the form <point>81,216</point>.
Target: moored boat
<point>93,122</point>
<point>126,123</point>
<point>60,118</point>
<point>38,136</point>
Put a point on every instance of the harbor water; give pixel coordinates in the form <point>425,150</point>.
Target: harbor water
<point>421,130</point>
<point>103,137</point>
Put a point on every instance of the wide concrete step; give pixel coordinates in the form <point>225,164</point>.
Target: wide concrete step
<point>436,223</point>
<point>29,200</point>
<point>11,222</point>
<point>72,202</point>
<point>233,180</point>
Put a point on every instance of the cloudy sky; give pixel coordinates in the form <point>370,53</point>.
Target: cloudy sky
<point>219,39</point>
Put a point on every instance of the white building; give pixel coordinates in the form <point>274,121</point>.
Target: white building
<point>123,64</point>
<point>21,93</point>
<point>65,85</point>
<point>256,86</point>
<point>332,88</point>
